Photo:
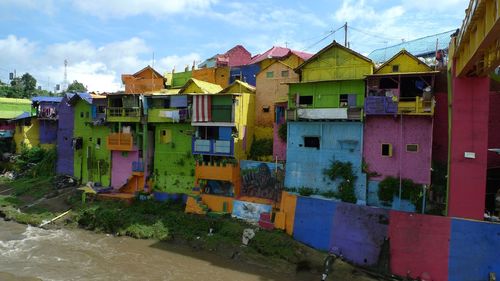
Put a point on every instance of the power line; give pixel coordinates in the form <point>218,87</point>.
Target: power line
<point>372,35</point>
<point>322,39</point>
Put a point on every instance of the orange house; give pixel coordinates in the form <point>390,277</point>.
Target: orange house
<point>145,80</point>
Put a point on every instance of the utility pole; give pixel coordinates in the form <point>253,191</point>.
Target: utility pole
<point>65,74</point>
<point>345,34</point>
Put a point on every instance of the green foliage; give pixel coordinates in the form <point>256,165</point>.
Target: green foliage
<point>343,171</point>
<point>36,161</point>
<point>306,191</point>
<point>261,148</point>
<point>76,87</point>
<point>389,187</point>
<point>282,132</point>
<point>330,194</point>
<point>22,87</point>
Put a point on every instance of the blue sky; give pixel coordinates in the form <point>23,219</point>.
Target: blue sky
<point>103,39</point>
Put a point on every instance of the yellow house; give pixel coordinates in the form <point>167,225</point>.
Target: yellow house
<point>27,133</point>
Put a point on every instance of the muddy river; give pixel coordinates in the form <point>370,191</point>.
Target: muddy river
<point>31,253</point>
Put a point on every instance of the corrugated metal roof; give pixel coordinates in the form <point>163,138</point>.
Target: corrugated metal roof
<point>23,115</point>
<point>11,114</point>
<point>417,47</point>
<point>14,101</point>
<point>206,87</point>
<point>242,84</point>
<point>46,99</point>
<point>278,52</point>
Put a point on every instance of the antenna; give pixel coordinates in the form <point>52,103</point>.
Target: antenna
<point>345,36</point>
<point>65,74</point>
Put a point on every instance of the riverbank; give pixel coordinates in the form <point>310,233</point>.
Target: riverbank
<point>167,224</point>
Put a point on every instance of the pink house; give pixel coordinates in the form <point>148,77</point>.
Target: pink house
<point>235,56</point>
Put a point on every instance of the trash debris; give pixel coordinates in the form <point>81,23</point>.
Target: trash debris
<point>248,234</point>
<point>64,181</point>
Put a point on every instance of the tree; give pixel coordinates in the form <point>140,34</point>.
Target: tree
<point>29,83</point>
<point>76,87</point>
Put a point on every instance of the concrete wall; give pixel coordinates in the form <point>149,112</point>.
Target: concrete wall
<point>247,73</point>
<point>340,141</point>
<point>469,133</point>
<point>419,245</point>
<point>493,129</point>
<point>388,129</point>
<point>48,131</point>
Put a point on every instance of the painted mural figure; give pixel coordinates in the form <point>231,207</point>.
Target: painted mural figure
<point>261,183</point>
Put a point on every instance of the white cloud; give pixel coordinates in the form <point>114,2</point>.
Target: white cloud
<point>122,9</point>
<point>97,67</point>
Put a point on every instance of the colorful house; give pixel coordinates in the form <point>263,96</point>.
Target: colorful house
<point>399,108</point>
<point>235,56</point>
<point>222,120</point>
<point>325,113</point>
<point>46,110</point>
<point>168,115</point>
<point>145,80</point>
<point>128,142</point>
<point>10,109</point>
<point>91,152</point>
<point>272,87</point>
<point>65,128</point>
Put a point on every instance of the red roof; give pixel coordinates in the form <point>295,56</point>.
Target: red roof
<point>279,52</point>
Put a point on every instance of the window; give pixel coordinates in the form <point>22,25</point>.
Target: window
<point>311,142</point>
<point>395,68</point>
<point>305,100</point>
<point>387,149</point>
<point>269,74</point>
<point>237,77</point>
<point>98,141</point>
<point>81,114</point>
<point>413,147</point>
<point>343,100</point>
<point>265,108</point>
<point>284,73</point>
<point>101,109</point>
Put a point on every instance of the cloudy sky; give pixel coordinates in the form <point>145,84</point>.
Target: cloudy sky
<point>102,39</point>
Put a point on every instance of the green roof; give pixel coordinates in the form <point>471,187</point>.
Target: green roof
<point>205,87</point>
<point>14,101</point>
<point>10,114</point>
<point>11,108</point>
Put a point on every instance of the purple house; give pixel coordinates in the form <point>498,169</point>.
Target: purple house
<point>65,136</point>
<point>46,110</point>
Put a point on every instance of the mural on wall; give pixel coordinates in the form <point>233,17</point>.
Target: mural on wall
<point>249,211</point>
<point>262,179</point>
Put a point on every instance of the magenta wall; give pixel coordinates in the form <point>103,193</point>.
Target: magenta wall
<point>279,146</point>
<point>469,133</point>
<point>419,244</point>
<point>440,130</point>
<point>386,129</point>
<point>121,168</point>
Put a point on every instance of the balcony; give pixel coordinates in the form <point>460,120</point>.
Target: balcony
<point>124,114</point>
<point>166,115</point>
<point>213,147</point>
<point>120,142</point>
<point>343,113</point>
<point>416,106</point>
<point>211,171</point>
<point>380,105</point>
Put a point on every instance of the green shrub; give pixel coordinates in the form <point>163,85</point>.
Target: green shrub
<point>306,191</point>
<point>343,170</point>
<point>282,132</point>
<point>261,148</point>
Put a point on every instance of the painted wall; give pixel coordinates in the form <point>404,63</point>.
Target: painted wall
<point>65,128</point>
<point>279,145</point>
<point>215,75</point>
<point>418,244</point>
<point>93,161</point>
<point>474,250</point>
<point>271,90</point>
<point>244,119</point>
<point>121,169</point>
<point>180,78</point>
<point>469,133</point>
<point>173,162</point>
<point>388,129</point>
<point>144,81</point>
<point>405,63</point>
<point>27,134</point>
<point>440,129</point>
<point>48,131</point>
<point>442,248</point>
<point>314,222</point>
<point>359,232</point>
<point>340,141</point>
<point>327,94</point>
<point>262,179</point>
<point>247,73</point>
<point>336,63</point>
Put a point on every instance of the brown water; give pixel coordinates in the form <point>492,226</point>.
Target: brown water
<point>27,251</point>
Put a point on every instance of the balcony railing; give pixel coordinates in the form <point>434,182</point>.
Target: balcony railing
<point>416,106</point>
<point>167,115</point>
<point>124,112</point>
<point>120,141</point>
<point>213,147</point>
<point>380,105</point>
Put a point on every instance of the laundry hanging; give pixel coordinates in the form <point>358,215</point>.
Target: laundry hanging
<point>202,108</point>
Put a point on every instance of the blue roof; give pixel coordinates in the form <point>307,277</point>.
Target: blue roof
<point>24,115</point>
<point>46,99</point>
<point>418,47</point>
